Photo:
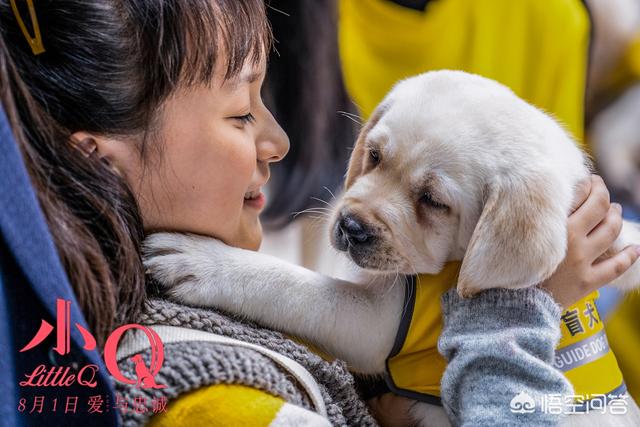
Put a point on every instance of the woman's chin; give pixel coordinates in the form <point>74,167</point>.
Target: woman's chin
<point>254,244</point>
<point>250,237</point>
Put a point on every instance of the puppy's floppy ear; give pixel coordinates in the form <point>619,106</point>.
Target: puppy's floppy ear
<point>520,238</point>
<point>356,163</point>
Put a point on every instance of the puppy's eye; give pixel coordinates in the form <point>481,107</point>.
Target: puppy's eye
<point>374,156</point>
<point>428,200</point>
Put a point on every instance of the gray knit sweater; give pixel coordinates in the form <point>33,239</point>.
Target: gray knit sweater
<point>190,365</point>
<point>500,344</point>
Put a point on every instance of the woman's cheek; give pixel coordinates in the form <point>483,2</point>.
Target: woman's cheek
<point>239,174</point>
<point>245,167</point>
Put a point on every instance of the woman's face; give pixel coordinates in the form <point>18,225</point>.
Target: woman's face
<point>217,144</point>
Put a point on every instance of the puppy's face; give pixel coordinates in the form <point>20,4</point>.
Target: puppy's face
<point>405,198</point>
<point>455,166</point>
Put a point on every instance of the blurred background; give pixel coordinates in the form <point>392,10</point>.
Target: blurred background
<point>334,60</point>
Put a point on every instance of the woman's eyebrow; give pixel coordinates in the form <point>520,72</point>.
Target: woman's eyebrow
<point>249,77</point>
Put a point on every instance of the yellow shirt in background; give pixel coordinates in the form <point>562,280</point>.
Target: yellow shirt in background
<point>537,48</point>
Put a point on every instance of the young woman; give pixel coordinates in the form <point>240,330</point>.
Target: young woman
<point>136,116</point>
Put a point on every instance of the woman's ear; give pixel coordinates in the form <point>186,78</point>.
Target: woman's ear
<point>84,143</point>
<point>520,238</point>
<point>356,163</point>
<point>115,153</point>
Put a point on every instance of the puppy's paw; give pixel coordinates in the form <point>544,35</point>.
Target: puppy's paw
<point>179,262</point>
<point>630,279</point>
<point>630,235</point>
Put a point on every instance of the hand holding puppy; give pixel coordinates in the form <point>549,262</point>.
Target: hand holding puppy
<point>592,228</point>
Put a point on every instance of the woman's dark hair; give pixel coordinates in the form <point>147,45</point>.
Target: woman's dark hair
<point>108,66</point>
<point>305,92</point>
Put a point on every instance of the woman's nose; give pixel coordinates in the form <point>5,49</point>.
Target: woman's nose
<point>273,143</point>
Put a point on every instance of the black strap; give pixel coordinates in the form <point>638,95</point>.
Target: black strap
<point>419,5</point>
<point>369,387</point>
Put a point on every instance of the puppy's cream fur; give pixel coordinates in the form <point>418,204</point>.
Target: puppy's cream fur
<point>505,172</point>
<point>463,169</point>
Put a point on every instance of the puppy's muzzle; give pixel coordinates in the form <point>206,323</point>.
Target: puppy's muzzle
<point>350,231</point>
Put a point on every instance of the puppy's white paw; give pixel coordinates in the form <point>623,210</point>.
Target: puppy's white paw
<point>630,235</point>
<point>630,280</point>
<point>180,263</point>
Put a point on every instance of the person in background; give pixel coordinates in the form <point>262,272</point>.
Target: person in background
<point>306,93</point>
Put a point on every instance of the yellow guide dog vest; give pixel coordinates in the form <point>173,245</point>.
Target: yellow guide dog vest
<point>414,366</point>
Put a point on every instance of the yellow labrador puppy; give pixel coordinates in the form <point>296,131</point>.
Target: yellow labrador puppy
<point>451,166</point>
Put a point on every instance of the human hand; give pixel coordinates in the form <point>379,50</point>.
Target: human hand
<point>390,410</point>
<point>592,228</point>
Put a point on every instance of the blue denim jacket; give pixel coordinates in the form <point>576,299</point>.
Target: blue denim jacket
<point>31,279</point>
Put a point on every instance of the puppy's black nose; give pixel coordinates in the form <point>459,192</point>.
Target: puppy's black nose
<point>351,229</point>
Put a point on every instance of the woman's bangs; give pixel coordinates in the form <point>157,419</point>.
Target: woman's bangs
<point>236,31</point>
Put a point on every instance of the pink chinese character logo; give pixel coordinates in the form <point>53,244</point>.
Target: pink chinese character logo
<point>63,335</point>
<point>145,376</point>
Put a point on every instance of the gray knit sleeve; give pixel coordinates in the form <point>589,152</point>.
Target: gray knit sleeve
<point>500,344</point>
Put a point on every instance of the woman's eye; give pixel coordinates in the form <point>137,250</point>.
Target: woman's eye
<point>374,156</point>
<point>428,200</point>
<point>247,118</point>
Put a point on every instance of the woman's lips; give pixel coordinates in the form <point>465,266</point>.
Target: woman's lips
<point>255,200</point>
